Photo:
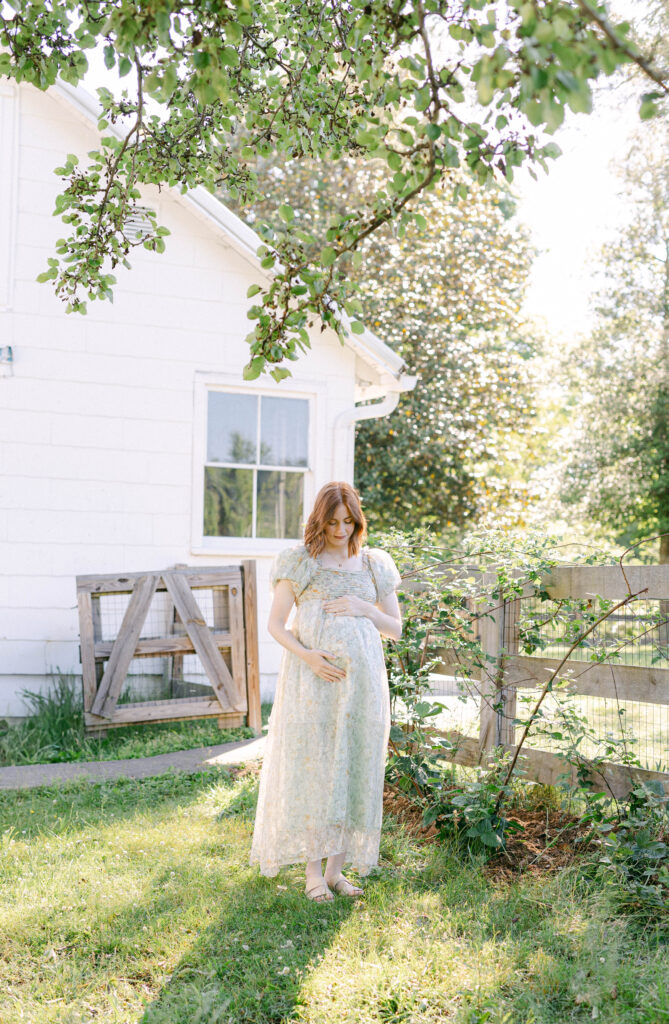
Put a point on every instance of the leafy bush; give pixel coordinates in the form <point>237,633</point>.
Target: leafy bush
<point>628,839</point>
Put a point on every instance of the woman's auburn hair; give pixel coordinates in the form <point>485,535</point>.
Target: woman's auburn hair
<point>337,492</point>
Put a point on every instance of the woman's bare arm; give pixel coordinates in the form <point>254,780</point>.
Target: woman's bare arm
<point>387,616</point>
<point>283,601</point>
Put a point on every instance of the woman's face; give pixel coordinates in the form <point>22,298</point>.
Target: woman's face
<point>340,526</point>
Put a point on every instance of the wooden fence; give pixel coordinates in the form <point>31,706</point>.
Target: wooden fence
<point>508,671</point>
<point>119,621</point>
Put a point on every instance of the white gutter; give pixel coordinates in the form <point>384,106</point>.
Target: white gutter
<point>346,419</point>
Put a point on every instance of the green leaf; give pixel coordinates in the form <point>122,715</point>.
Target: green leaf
<point>254,368</point>
<point>422,98</point>
<point>484,90</point>
<point>124,66</point>
<point>279,373</point>
<point>229,57</point>
<point>233,32</point>
<point>648,108</point>
<point>328,256</point>
<point>110,56</point>
<point>357,327</point>
<point>252,290</point>
<point>286,213</point>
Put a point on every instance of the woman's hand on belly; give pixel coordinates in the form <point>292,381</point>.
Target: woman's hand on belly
<point>349,604</point>
<point>316,660</point>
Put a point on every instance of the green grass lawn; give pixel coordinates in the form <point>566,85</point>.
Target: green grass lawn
<point>133,901</point>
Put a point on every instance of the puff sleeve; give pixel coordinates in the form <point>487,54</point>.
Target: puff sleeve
<point>295,565</point>
<point>386,575</point>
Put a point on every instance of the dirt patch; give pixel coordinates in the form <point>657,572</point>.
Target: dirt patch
<point>545,844</point>
<point>408,813</point>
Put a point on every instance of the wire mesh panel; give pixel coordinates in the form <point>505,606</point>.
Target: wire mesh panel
<point>607,721</point>
<point>636,634</point>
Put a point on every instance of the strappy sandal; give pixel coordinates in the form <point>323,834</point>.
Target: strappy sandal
<point>345,888</point>
<point>319,893</point>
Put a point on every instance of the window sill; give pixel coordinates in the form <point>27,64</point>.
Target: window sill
<point>243,547</point>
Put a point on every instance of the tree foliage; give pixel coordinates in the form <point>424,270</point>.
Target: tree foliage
<point>446,295</point>
<point>423,85</point>
<point>619,470</point>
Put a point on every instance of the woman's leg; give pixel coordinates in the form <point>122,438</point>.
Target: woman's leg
<point>335,879</point>
<point>333,867</point>
<point>316,888</point>
<point>314,872</point>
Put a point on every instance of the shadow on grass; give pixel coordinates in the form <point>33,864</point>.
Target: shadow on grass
<point>82,804</point>
<point>248,963</point>
<point>247,953</point>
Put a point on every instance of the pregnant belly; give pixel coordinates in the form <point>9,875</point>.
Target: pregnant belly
<point>345,636</point>
<point>355,646</point>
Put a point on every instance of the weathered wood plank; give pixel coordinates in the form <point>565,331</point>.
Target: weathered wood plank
<point>237,655</point>
<point>123,649</point>
<point>251,637</point>
<point>123,583</point>
<point>624,682</point>
<point>87,648</point>
<point>582,581</point>
<point>547,768</point>
<point>578,581</point>
<point>155,646</point>
<point>166,711</point>
<point>212,662</point>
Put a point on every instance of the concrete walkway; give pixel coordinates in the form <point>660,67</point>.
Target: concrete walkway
<point>26,776</point>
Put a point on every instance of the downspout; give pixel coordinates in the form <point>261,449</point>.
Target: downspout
<point>348,417</point>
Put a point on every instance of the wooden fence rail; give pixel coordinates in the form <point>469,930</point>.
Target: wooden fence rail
<point>505,670</point>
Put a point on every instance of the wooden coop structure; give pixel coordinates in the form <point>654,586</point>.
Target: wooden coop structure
<point>170,645</point>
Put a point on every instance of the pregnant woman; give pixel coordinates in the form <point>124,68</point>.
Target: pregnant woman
<point>321,785</point>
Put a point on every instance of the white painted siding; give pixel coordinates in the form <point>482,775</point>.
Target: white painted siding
<point>96,423</point>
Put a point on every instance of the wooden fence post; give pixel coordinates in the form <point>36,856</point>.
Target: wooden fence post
<point>506,730</point>
<point>491,634</point>
<point>497,632</point>
<point>251,635</point>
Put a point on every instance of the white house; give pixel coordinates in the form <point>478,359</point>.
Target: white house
<point>128,439</point>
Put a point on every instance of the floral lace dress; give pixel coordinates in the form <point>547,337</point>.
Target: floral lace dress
<point>321,785</point>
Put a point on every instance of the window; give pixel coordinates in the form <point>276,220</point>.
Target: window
<point>255,464</point>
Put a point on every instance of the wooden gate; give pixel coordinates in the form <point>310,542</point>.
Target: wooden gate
<point>208,612</point>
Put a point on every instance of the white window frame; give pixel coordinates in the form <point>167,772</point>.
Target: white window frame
<point>230,383</point>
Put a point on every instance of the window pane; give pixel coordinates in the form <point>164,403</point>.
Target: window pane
<point>280,502</point>
<point>228,502</point>
<point>284,432</point>
<point>232,427</point>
